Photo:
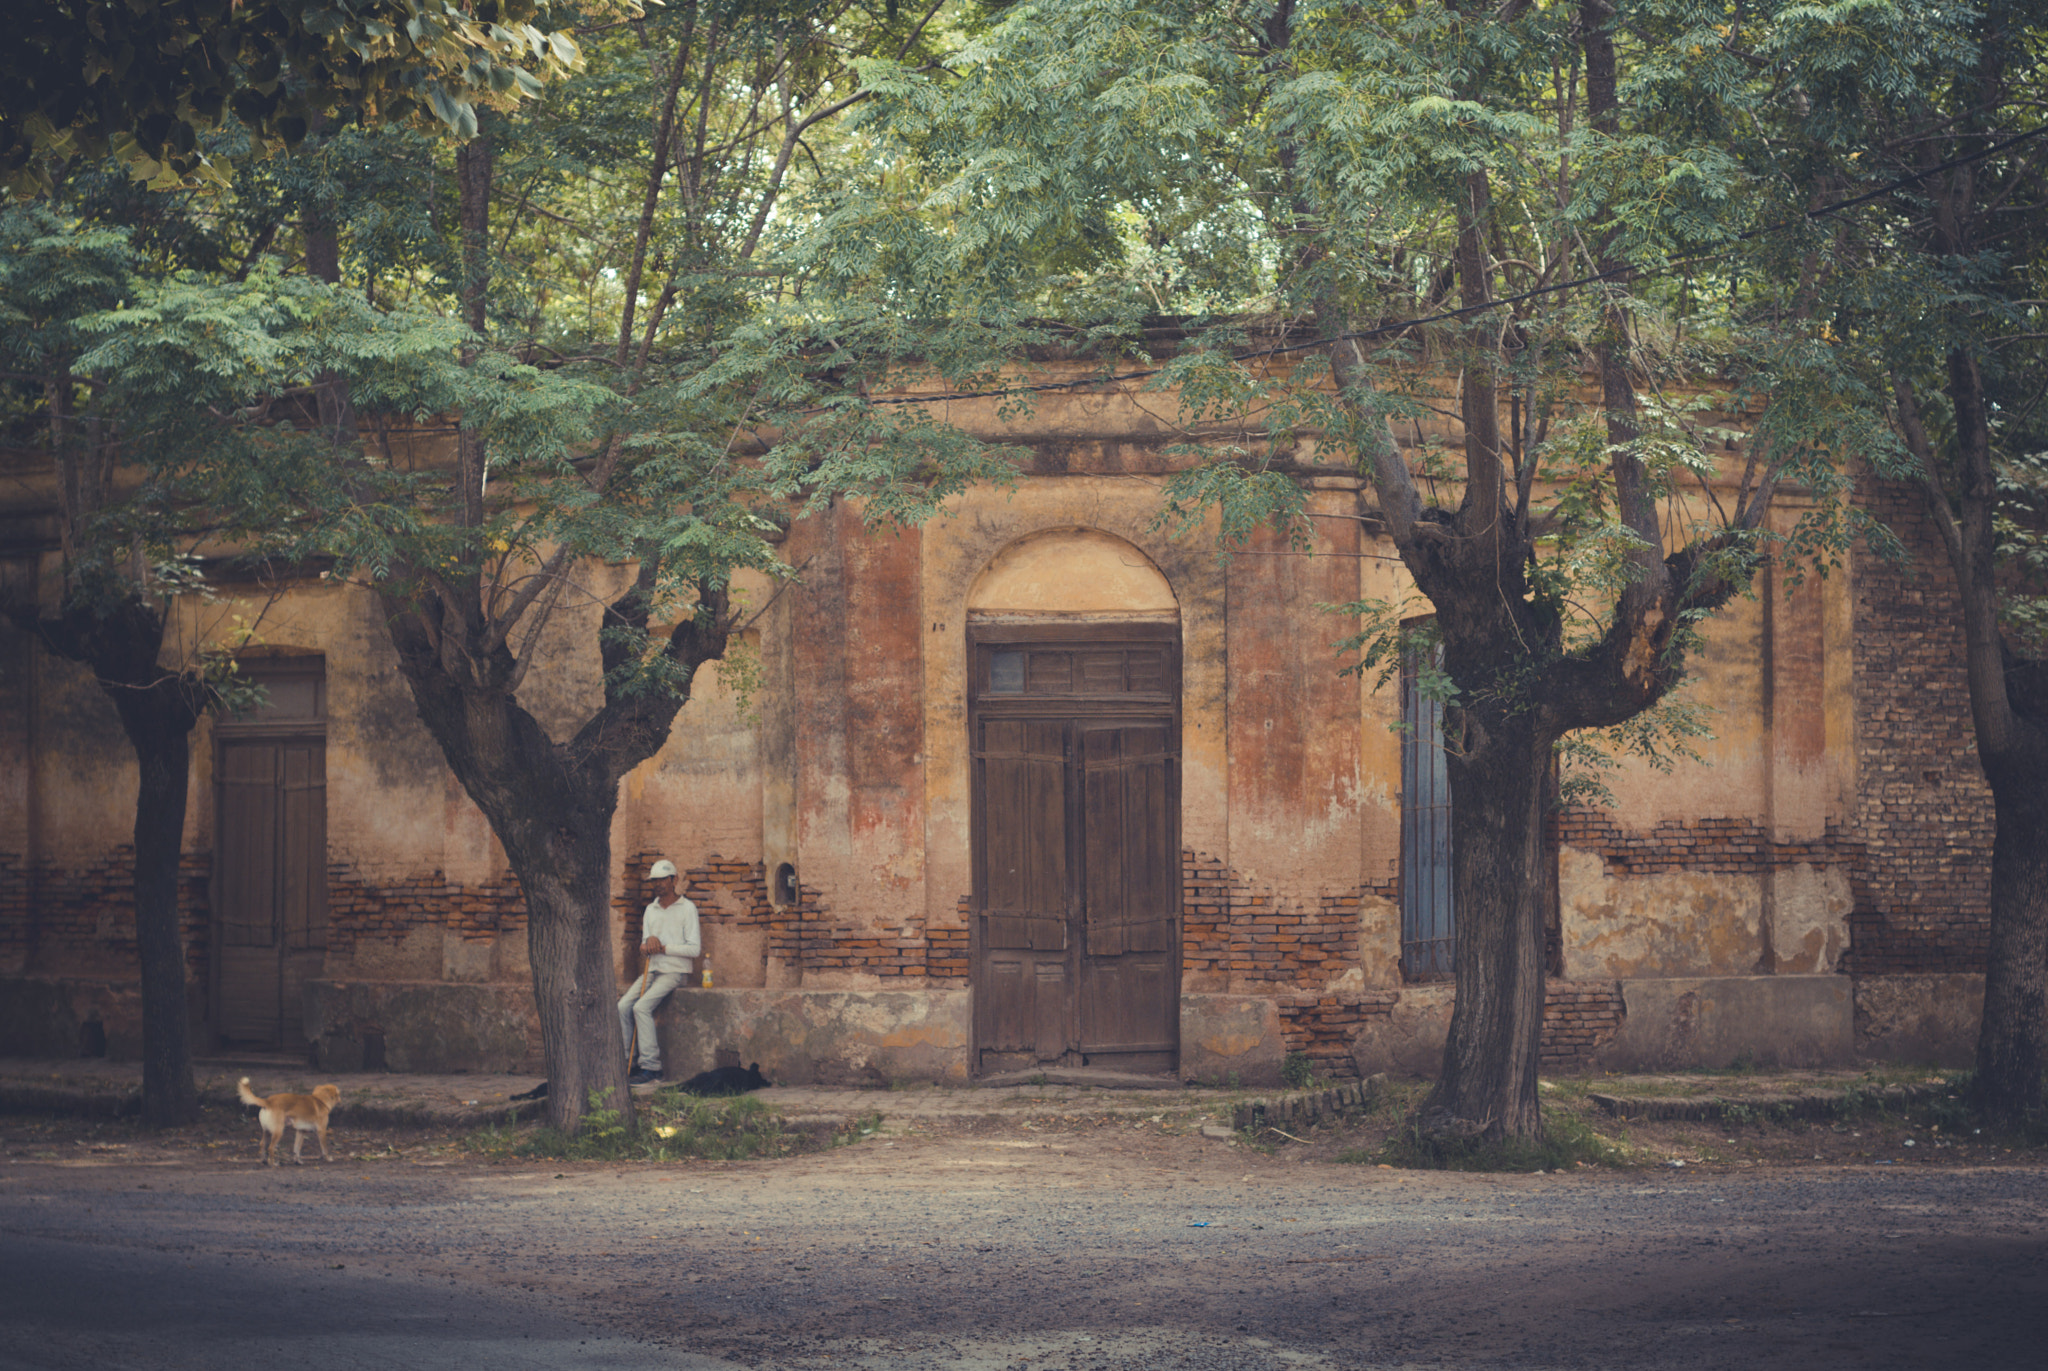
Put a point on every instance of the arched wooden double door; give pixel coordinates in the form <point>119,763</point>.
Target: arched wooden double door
<point>1076,745</point>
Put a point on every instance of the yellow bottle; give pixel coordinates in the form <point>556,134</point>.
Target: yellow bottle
<point>707,972</point>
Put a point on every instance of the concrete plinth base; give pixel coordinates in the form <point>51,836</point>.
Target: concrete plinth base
<point>422,1026</point>
<point>882,1037</point>
<point>1922,1020</point>
<point>819,1037</point>
<point>1230,1040</point>
<point>76,1016</point>
<point>1767,1021</point>
<point>1409,1041</point>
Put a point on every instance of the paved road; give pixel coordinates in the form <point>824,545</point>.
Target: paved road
<point>1097,1250</point>
<point>68,1303</point>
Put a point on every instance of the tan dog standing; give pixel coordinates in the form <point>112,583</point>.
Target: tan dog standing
<point>301,1113</point>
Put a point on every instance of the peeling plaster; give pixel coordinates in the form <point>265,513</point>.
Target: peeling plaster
<point>1669,924</point>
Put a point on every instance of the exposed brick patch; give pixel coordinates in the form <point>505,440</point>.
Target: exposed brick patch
<point>1253,935</point>
<point>1922,809</point>
<point>885,952</point>
<point>82,918</point>
<point>1919,890</point>
<point>1727,845</point>
<point>1579,1018</point>
<point>1324,1025</point>
<point>790,925</point>
<point>1226,925</point>
<point>805,935</point>
<point>359,910</point>
<point>946,961</point>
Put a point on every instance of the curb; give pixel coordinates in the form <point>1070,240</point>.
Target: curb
<point>410,1114</point>
<point>1742,1108</point>
<point>1307,1108</point>
<point>21,1097</point>
<point>101,1102</point>
<point>104,1102</point>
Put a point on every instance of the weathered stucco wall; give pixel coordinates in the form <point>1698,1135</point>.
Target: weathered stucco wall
<point>1710,900</point>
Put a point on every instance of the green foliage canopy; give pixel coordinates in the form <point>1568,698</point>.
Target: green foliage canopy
<point>146,82</point>
<point>1290,183</point>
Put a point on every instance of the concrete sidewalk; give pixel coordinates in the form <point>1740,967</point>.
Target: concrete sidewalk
<point>97,1088</point>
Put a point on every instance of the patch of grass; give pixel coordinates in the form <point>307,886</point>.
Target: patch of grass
<point>866,1126</point>
<point>1568,1140</point>
<point>1738,1114</point>
<point>1948,1110</point>
<point>494,1139</point>
<point>669,1127</point>
<point>1951,1109</point>
<point>1258,1140</point>
<point>1298,1071</point>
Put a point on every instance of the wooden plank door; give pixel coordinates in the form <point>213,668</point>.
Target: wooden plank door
<point>271,919</point>
<point>1024,1013</point>
<point>1129,1000</point>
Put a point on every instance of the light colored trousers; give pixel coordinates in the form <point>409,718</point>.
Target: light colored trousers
<point>636,1008</point>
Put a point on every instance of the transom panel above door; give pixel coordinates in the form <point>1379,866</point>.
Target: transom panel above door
<point>1075,736</point>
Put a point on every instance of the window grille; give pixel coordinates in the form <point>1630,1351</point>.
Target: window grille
<point>1428,936</point>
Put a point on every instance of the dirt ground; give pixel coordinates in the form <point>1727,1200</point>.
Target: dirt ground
<point>1912,1135</point>
<point>1062,1239</point>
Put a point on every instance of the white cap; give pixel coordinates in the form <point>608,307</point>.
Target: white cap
<point>662,868</point>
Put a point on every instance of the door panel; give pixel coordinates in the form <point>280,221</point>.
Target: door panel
<point>1132,883</point>
<point>1024,834</point>
<point>247,844</point>
<point>302,845</point>
<point>1128,1017</point>
<point>1129,1008</point>
<point>248,1008</point>
<point>1024,1012</point>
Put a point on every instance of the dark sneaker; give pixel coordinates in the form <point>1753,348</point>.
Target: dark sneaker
<point>643,1077</point>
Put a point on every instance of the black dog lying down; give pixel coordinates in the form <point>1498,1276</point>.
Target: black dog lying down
<point>727,1080</point>
<point>724,1080</point>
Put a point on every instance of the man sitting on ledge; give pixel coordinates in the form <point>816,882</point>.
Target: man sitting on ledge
<point>671,941</point>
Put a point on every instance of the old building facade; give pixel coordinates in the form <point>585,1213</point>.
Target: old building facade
<point>1041,785</point>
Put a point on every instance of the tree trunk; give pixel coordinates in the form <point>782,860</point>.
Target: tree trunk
<point>568,889</point>
<point>323,262</point>
<point>2011,1051</point>
<point>2012,747</point>
<point>551,805</point>
<point>159,722</point>
<point>158,709</point>
<point>554,820</point>
<point>1487,1089</point>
